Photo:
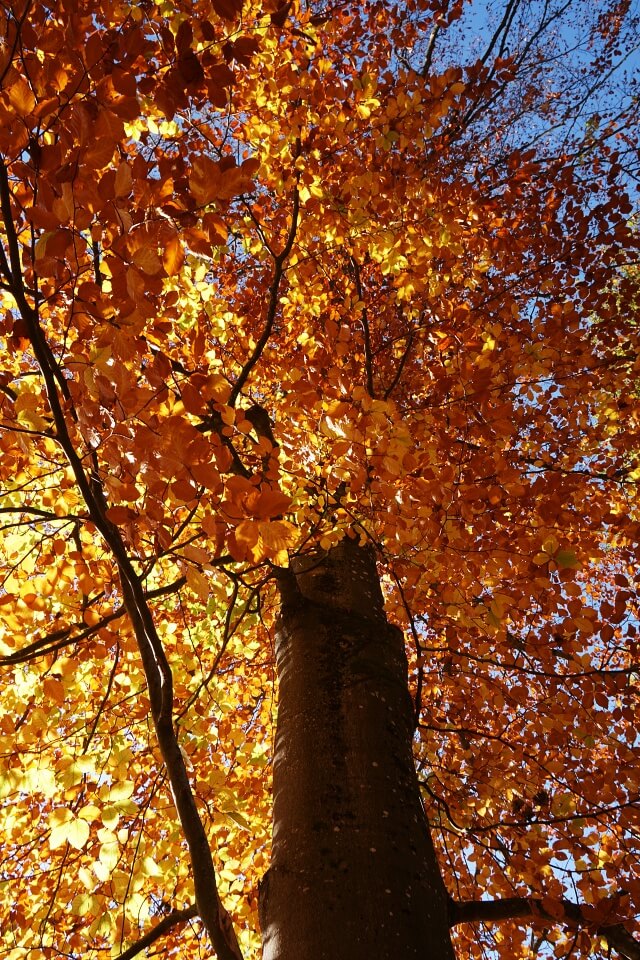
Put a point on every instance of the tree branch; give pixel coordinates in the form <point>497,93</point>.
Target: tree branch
<point>431,45</point>
<point>156,667</point>
<point>171,920</point>
<point>364,316</point>
<point>571,914</point>
<point>274,291</point>
<point>403,360</point>
<point>51,642</point>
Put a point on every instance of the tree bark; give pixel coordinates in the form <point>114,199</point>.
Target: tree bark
<point>353,873</point>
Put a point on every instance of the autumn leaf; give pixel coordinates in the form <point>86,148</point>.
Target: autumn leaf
<point>227,9</point>
<point>567,560</point>
<point>66,828</point>
<point>173,256</point>
<point>120,515</point>
<point>212,180</point>
<point>270,503</point>
<point>21,97</point>
<point>147,260</point>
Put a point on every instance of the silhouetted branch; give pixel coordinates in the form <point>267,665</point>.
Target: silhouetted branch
<point>171,920</point>
<point>570,914</point>
<point>51,642</point>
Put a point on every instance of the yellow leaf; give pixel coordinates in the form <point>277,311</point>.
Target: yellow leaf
<point>540,558</point>
<point>150,868</point>
<point>33,420</point>
<point>241,821</point>
<point>78,833</point>
<point>109,854</point>
<point>119,791</point>
<point>83,904</point>
<point>101,870</point>
<point>110,817</point>
<point>59,820</point>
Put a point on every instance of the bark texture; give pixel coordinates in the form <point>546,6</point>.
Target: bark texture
<point>354,873</point>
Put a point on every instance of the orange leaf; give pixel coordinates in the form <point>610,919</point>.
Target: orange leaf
<point>207,475</point>
<point>227,9</point>
<point>123,180</point>
<point>211,180</point>
<point>121,515</point>
<point>53,689</point>
<point>183,490</point>
<point>198,583</point>
<point>278,536</point>
<point>216,228</point>
<point>21,97</point>
<point>173,256</point>
<point>270,503</point>
<point>147,260</point>
<point>99,153</point>
<point>248,532</point>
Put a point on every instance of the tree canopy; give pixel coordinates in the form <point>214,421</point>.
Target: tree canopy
<point>273,274</point>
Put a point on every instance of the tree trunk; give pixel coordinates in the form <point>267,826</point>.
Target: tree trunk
<point>353,874</point>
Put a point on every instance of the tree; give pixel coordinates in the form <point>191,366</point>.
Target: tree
<point>298,301</point>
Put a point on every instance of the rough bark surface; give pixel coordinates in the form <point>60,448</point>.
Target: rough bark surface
<point>353,873</point>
